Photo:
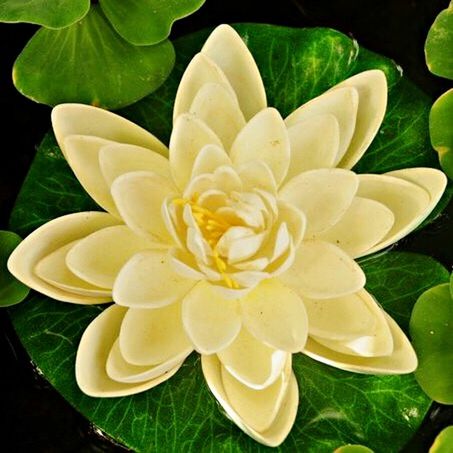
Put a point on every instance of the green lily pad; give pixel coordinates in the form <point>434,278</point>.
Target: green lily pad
<point>146,22</point>
<point>443,442</point>
<point>89,62</point>
<point>12,291</point>
<point>439,44</point>
<point>353,449</point>
<point>50,14</point>
<point>430,327</point>
<point>441,130</point>
<point>336,407</point>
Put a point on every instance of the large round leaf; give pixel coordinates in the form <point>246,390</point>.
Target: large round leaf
<point>51,14</point>
<point>336,407</point>
<point>145,22</point>
<point>89,62</point>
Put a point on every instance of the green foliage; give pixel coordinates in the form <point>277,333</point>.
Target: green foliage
<point>443,442</point>
<point>353,449</point>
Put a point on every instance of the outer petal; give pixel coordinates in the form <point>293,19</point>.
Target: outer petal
<point>99,257</point>
<point>188,137</point>
<point>226,48</point>
<point>323,271</point>
<point>80,119</point>
<point>139,197</point>
<point>210,321</point>
<point>322,195</point>
<point>275,315</point>
<point>363,225</point>
<point>283,421</point>
<point>153,336</point>
<point>252,362</point>
<point>49,238</point>
<point>403,360</point>
<point>94,349</point>
<point>148,280</point>
<point>264,138</point>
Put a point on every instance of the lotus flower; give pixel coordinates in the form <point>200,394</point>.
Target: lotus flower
<point>240,244</point>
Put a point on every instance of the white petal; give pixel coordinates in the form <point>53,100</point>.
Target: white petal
<point>47,239</point>
<point>148,280</point>
<point>226,48</point>
<point>185,264</point>
<point>139,197</point>
<point>275,315</point>
<point>403,360</point>
<point>252,362</point>
<point>314,144</point>
<point>188,137</point>
<point>256,175</point>
<point>211,321</point>
<point>342,103</point>
<point>322,271</point>
<point>92,354</point>
<point>322,195</point>
<point>99,257</point>
<point>363,225</point>
<point>372,88</point>
<point>80,119</point>
<point>200,71</point>
<point>121,371</point>
<point>239,243</point>
<point>264,138</point>
<point>284,420</point>
<point>295,220</point>
<point>215,105</point>
<point>153,336</point>
<point>408,202</point>
<point>209,159</point>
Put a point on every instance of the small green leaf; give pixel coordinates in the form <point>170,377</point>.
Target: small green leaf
<point>441,130</point>
<point>50,14</point>
<point>431,327</point>
<point>12,291</point>
<point>439,44</point>
<point>145,22</point>
<point>443,442</point>
<point>353,449</point>
<point>89,63</point>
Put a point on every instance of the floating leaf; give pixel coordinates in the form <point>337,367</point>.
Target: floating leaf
<point>431,331</point>
<point>439,44</point>
<point>443,442</point>
<point>12,291</point>
<point>146,22</point>
<point>353,449</point>
<point>54,14</point>
<point>89,63</point>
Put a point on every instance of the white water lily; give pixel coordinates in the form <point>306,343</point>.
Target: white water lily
<point>240,244</point>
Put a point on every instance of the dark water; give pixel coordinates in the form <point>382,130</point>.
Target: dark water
<point>36,418</point>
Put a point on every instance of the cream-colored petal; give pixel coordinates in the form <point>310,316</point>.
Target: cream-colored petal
<point>139,197</point>
<point>314,144</point>
<point>252,362</point>
<point>92,355</point>
<point>80,119</point>
<point>284,420</point>
<point>256,175</point>
<point>239,243</point>
<point>153,336</point>
<point>99,257</point>
<point>148,280</point>
<point>185,264</point>
<point>295,220</point>
<point>226,48</point>
<point>264,138</point>
<point>209,159</point>
<point>322,271</point>
<point>200,71</point>
<point>275,315</point>
<point>403,360</point>
<point>121,371</point>
<point>409,203</point>
<point>215,105</point>
<point>118,158</point>
<point>53,269</point>
<point>210,321</point>
<point>188,137</point>
<point>363,225</point>
<point>342,103</point>
<point>47,239</point>
<point>372,89</point>
<point>322,195</point>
